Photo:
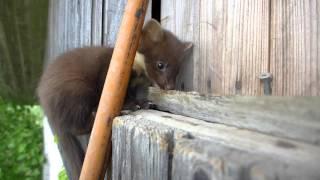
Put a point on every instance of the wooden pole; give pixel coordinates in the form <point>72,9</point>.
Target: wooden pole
<point>114,90</point>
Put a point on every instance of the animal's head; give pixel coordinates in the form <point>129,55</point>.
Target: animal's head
<point>164,53</point>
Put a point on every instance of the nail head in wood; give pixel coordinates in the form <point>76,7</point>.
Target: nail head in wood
<point>266,79</point>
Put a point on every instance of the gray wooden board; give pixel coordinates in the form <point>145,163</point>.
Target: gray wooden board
<point>145,141</point>
<point>97,22</point>
<point>112,18</point>
<point>81,23</point>
<point>202,159</point>
<point>70,25</point>
<point>139,151</point>
<point>291,117</point>
<point>114,10</point>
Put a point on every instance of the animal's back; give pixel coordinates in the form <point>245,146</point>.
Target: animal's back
<point>71,85</point>
<point>69,92</point>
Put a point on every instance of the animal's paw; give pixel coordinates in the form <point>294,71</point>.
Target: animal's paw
<point>147,105</point>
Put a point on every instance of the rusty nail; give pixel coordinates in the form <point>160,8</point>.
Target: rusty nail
<point>266,79</point>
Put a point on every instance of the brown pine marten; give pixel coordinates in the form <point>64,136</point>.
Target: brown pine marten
<point>70,87</point>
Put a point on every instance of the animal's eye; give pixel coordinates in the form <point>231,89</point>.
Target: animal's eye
<point>160,66</point>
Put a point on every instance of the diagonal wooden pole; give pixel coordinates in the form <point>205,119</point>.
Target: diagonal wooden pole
<point>114,89</point>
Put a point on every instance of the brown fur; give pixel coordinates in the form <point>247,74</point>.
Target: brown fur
<point>70,87</point>
<point>161,46</point>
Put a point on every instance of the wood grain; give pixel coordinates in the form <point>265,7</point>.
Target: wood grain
<point>295,47</point>
<point>140,151</point>
<point>236,41</point>
<point>69,26</point>
<point>290,117</point>
<point>187,149</point>
<point>112,17</point>
<point>97,22</point>
<point>231,43</point>
<point>204,159</point>
<point>83,23</point>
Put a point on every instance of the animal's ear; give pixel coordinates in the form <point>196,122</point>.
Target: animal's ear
<point>187,49</point>
<point>153,31</point>
<point>188,46</point>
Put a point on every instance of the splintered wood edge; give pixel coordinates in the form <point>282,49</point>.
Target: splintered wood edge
<point>290,117</point>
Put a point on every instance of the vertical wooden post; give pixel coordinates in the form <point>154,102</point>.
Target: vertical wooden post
<point>114,88</point>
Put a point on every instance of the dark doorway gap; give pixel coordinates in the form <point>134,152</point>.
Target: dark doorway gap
<point>156,10</point>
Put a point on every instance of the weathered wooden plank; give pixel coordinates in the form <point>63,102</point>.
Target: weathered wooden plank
<point>295,47</point>
<point>190,162</point>
<point>70,25</point>
<point>140,151</point>
<point>244,40</point>
<point>97,22</point>
<point>77,23</point>
<point>85,22</point>
<point>284,149</point>
<point>202,149</point>
<point>291,117</point>
<point>112,18</point>
<point>231,43</point>
<point>202,159</point>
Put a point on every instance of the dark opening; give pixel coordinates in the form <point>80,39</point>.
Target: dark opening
<point>156,10</point>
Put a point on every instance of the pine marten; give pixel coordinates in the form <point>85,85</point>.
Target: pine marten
<point>70,87</point>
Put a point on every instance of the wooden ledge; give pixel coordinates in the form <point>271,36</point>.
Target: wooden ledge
<point>151,144</point>
<point>296,118</point>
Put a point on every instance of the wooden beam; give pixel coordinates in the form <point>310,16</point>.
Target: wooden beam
<point>140,151</point>
<point>204,159</point>
<point>295,47</point>
<point>291,117</point>
<point>151,144</point>
<point>231,43</point>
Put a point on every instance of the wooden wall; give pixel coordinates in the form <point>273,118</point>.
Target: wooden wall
<point>78,23</point>
<point>236,41</point>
